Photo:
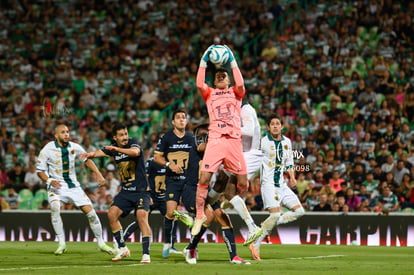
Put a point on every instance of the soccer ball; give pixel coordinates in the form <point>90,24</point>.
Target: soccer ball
<point>219,55</point>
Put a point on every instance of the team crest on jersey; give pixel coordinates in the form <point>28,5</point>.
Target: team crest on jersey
<point>72,152</point>
<point>171,195</point>
<point>286,147</point>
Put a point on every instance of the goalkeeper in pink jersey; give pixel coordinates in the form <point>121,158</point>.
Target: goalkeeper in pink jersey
<point>224,144</point>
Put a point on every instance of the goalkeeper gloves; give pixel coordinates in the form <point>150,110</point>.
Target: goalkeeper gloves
<point>232,60</point>
<point>205,57</point>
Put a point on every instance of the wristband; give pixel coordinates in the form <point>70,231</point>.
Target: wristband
<point>49,181</point>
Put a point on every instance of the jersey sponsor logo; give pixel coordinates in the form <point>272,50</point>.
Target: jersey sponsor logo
<point>131,188</point>
<point>180,146</point>
<point>121,156</point>
<point>222,93</point>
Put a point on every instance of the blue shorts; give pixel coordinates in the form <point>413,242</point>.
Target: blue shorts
<point>128,201</point>
<point>158,203</point>
<point>189,197</point>
<point>174,189</point>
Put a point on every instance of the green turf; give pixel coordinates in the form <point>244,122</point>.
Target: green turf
<point>84,258</point>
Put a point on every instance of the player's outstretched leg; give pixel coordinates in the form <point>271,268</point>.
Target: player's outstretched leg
<point>267,226</point>
<point>184,218</point>
<point>201,195</point>
<point>58,226</point>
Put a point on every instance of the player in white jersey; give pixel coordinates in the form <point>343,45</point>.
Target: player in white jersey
<point>277,161</point>
<point>56,167</point>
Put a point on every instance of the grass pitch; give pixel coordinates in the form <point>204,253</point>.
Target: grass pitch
<point>84,258</point>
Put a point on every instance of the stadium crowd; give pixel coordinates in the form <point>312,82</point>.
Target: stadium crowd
<point>339,72</point>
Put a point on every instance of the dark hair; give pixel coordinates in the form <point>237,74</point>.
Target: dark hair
<point>177,112</point>
<point>273,116</point>
<point>116,127</point>
<point>221,70</point>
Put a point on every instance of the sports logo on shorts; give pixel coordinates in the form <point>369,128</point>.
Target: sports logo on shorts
<point>206,166</point>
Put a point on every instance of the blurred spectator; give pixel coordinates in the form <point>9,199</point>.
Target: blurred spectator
<point>399,171</point>
<point>12,198</point>
<point>335,182</point>
<point>312,200</point>
<point>342,206</point>
<point>390,200</point>
<point>352,200</point>
<point>33,181</point>
<point>323,204</point>
<point>369,183</point>
<point>16,178</point>
<point>4,205</point>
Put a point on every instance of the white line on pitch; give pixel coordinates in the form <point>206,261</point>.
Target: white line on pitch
<point>60,267</point>
<point>316,257</point>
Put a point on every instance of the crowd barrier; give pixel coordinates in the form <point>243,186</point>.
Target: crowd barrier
<point>396,229</point>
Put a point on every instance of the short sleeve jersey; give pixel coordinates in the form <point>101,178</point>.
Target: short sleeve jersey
<point>277,159</point>
<point>59,162</point>
<point>131,169</point>
<point>180,151</point>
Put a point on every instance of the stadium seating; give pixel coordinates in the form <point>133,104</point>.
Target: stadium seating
<point>26,197</point>
<point>38,198</point>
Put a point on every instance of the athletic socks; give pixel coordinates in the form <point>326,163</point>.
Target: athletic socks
<point>168,226</point>
<point>57,221</point>
<point>267,227</point>
<point>243,212</point>
<point>96,226</point>
<point>229,240</point>
<point>196,239</point>
<point>119,237</point>
<point>201,196</point>
<point>146,245</point>
<point>131,228</point>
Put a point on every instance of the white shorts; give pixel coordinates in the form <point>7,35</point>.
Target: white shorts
<point>276,196</point>
<point>75,196</point>
<point>253,160</point>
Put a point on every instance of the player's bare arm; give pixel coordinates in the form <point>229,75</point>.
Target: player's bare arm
<point>132,152</point>
<point>292,179</point>
<point>92,155</point>
<point>91,165</point>
<point>42,175</point>
<point>160,159</point>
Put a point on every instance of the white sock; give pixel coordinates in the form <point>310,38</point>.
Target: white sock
<point>57,221</point>
<point>96,227</point>
<point>267,227</point>
<point>241,209</point>
<point>291,216</point>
